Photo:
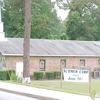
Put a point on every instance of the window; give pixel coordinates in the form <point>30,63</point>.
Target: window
<point>82,64</point>
<point>63,63</point>
<point>42,65</point>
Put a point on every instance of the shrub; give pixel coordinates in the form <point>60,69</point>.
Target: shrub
<point>19,79</point>
<point>10,73</point>
<point>56,73</point>
<point>13,78</point>
<point>49,74</point>
<point>38,75</point>
<point>3,75</point>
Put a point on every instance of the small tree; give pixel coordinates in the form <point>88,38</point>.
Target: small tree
<point>63,36</point>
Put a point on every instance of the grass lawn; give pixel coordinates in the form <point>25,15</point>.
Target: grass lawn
<point>70,87</point>
<point>80,88</point>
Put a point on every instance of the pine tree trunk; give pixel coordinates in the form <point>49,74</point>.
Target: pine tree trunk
<point>26,51</point>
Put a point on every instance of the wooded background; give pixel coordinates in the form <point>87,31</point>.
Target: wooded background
<point>82,23</point>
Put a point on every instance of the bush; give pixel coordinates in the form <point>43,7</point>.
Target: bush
<point>6,74</point>
<point>19,79</point>
<point>56,73</point>
<point>49,74</point>
<point>13,78</point>
<point>38,75</point>
<point>10,73</point>
<point>3,75</point>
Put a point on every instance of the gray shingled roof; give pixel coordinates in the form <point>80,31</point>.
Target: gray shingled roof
<point>51,47</point>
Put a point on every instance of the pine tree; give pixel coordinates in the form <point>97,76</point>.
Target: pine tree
<point>26,61</point>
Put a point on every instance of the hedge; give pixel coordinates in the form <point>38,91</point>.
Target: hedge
<point>38,75</point>
<point>6,74</point>
<point>10,73</point>
<point>3,75</point>
<point>49,75</point>
<point>56,73</point>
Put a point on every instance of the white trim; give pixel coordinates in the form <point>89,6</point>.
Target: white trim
<point>53,55</point>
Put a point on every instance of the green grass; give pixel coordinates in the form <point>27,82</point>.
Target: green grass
<point>95,85</point>
<point>70,87</point>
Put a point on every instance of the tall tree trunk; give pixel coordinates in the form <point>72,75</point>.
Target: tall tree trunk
<point>26,51</point>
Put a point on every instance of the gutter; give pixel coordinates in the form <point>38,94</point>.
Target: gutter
<point>38,55</point>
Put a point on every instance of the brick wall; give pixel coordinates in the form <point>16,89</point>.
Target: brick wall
<point>52,63</point>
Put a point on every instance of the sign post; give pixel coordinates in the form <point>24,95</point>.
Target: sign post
<point>61,78</point>
<point>89,81</point>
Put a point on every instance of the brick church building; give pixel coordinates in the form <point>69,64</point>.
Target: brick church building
<point>50,55</point>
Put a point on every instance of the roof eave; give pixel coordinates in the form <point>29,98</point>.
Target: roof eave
<point>53,55</point>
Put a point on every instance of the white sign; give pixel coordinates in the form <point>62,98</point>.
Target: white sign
<point>19,69</point>
<point>76,75</point>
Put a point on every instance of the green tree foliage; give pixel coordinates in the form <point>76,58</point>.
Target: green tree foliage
<point>13,18</point>
<point>74,26</point>
<point>63,36</point>
<point>83,19</point>
<point>44,20</point>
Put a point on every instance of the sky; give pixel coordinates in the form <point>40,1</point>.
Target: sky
<point>60,12</point>
<point>63,14</point>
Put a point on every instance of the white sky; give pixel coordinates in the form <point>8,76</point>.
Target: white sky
<point>60,12</point>
<point>53,0</point>
<point>63,14</point>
